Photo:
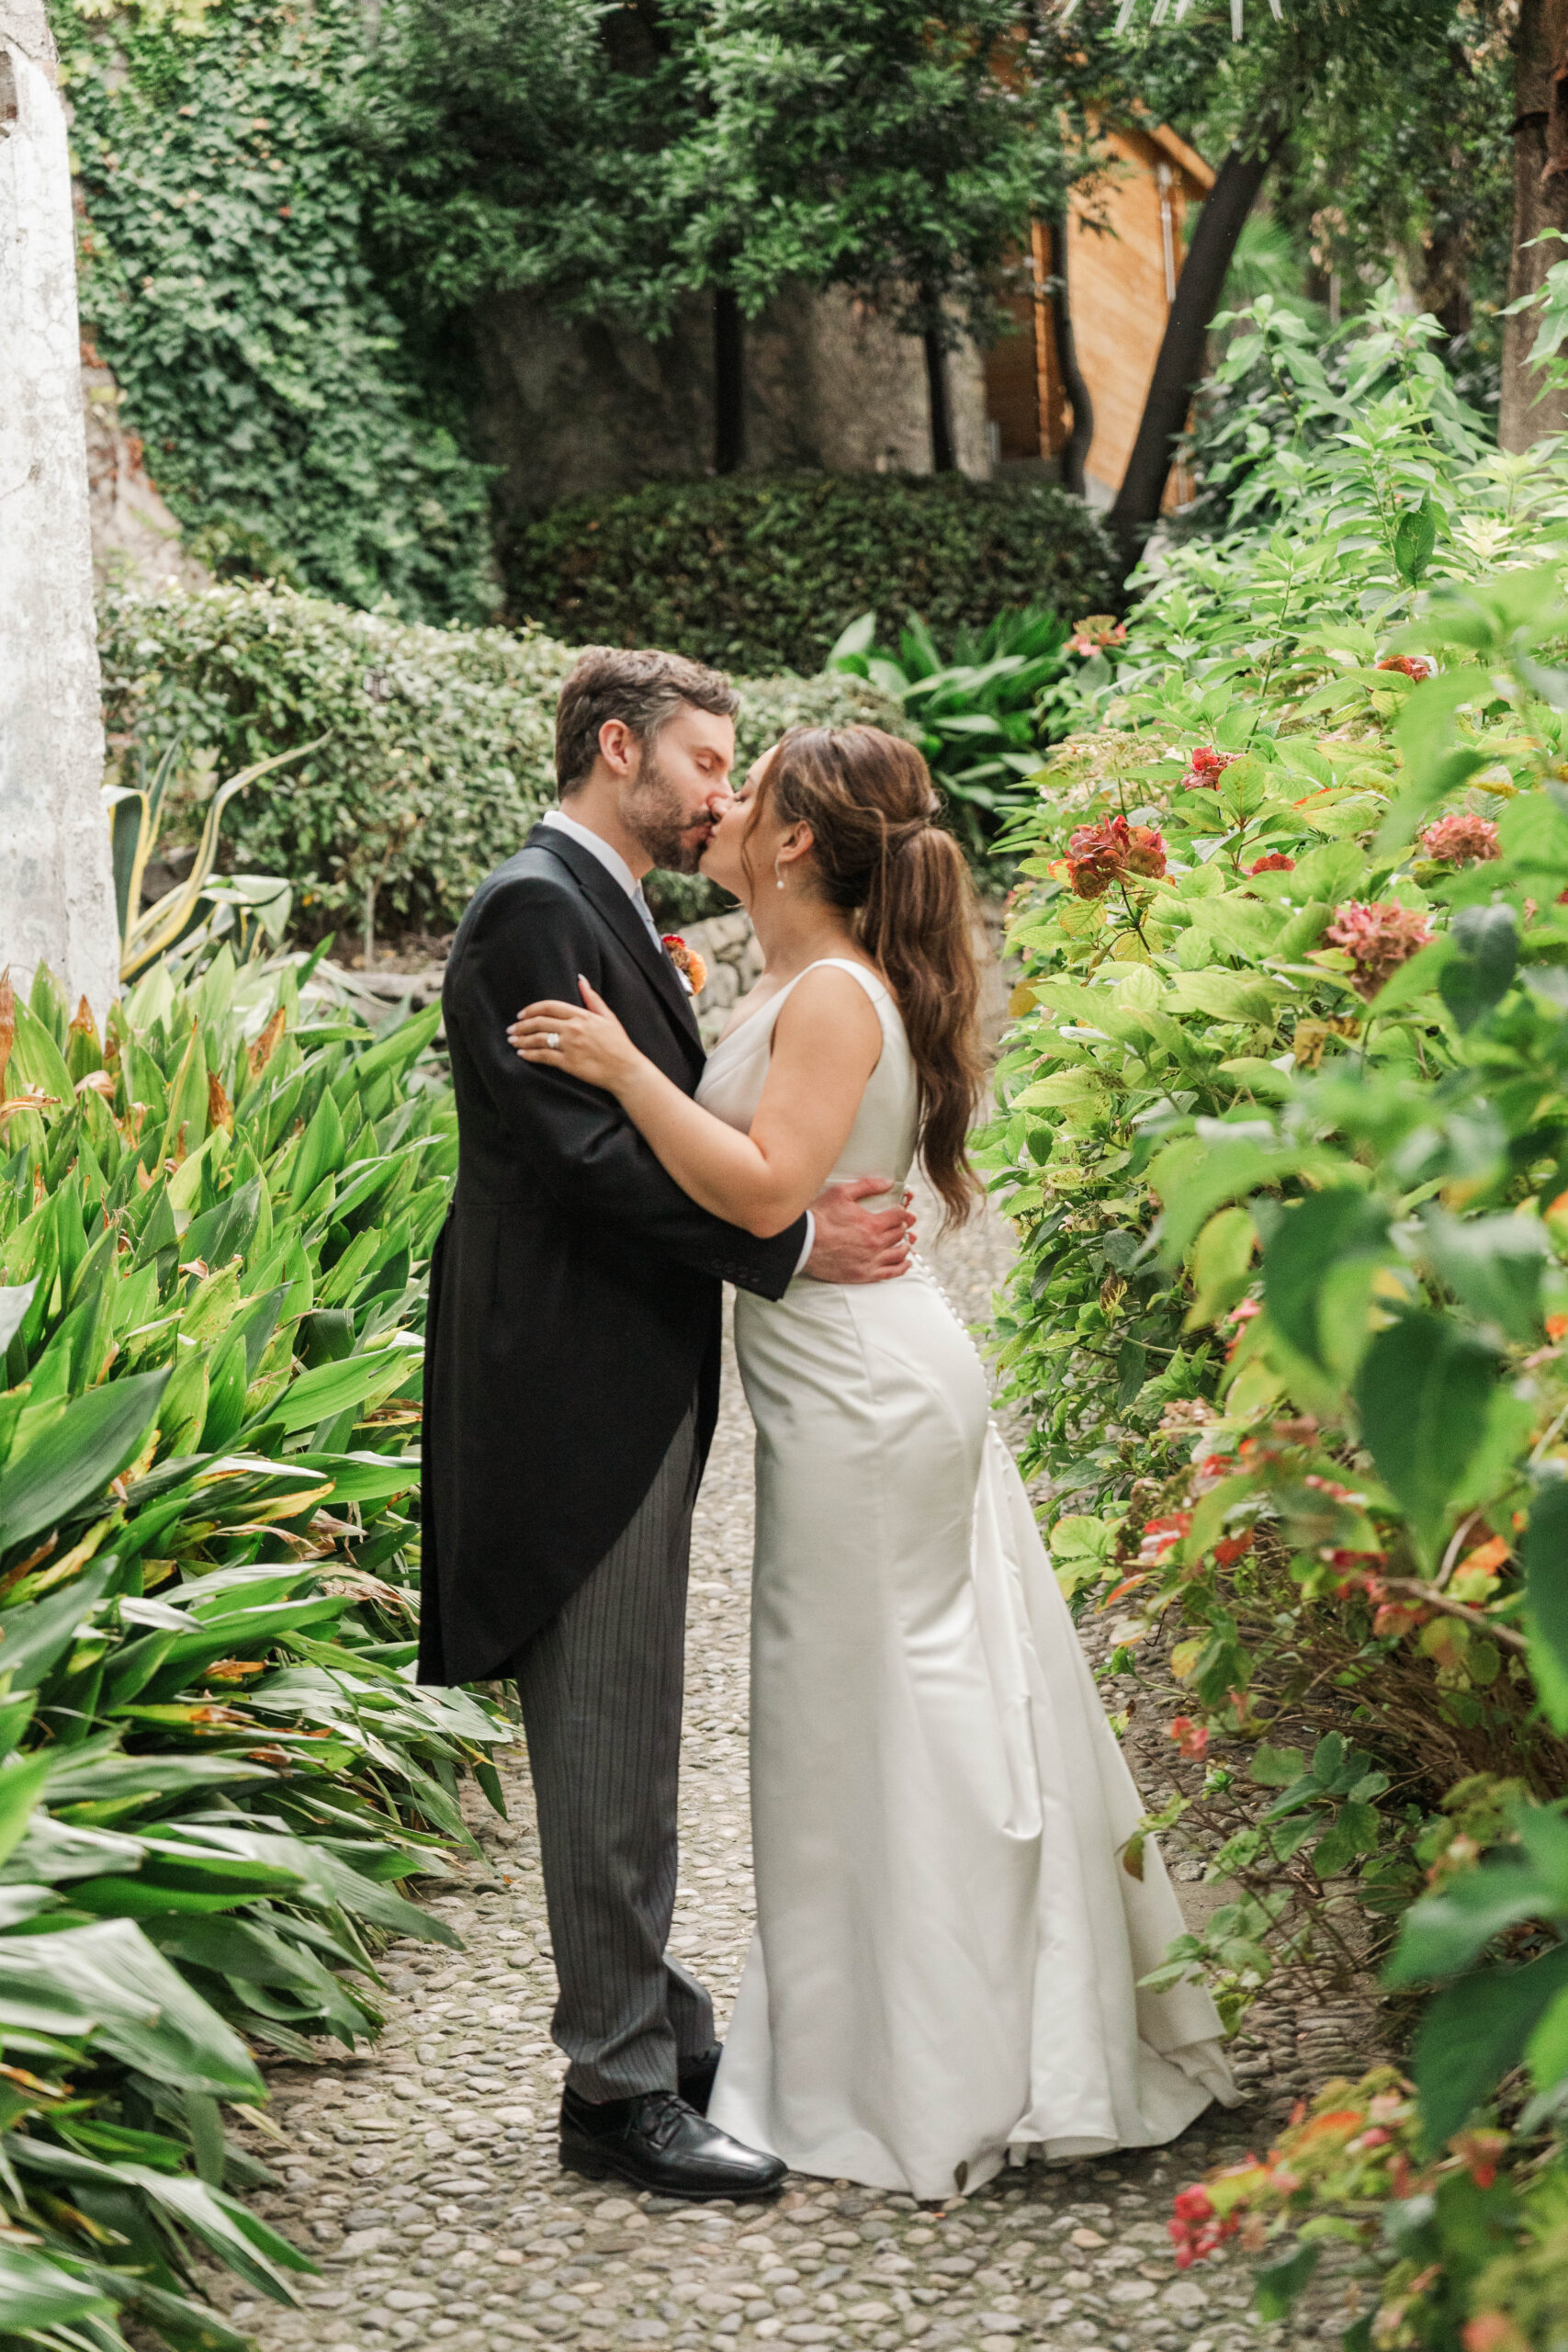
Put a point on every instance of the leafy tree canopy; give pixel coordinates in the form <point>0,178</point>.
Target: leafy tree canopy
<point>619,158</point>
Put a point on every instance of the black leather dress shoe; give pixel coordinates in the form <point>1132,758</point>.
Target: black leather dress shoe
<point>695,2085</point>
<point>657,2141</point>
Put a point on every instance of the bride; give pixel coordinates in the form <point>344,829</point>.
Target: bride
<point>947,1948</point>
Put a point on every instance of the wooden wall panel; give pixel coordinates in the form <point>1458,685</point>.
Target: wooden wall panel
<point>1119,274</point>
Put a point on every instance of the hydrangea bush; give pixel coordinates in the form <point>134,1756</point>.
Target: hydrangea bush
<point>1284,1132</point>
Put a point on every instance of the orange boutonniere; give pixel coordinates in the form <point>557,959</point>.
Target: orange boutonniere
<point>687,962</point>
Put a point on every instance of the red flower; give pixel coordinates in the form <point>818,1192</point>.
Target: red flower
<point>1378,938</point>
<point>686,961</point>
<point>1414,665</point>
<point>1160,1534</point>
<point>1206,766</point>
<point>1275,863</point>
<point>1192,1739</point>
<point>1197,2229</point>
<point>1463,839</point>
<point>1100,854</point>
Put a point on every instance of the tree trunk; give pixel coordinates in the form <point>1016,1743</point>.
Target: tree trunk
<point>942,459</point>
<point>728,383</point>
<point>1445,282</point>
<point>1075,449</point>
<point>56,888</point>
<point>1179,364</point>
<point>1540,202</point>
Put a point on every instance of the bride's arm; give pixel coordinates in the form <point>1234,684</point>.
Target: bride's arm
<point>826,1043</point>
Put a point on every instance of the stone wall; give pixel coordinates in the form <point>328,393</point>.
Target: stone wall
<point>728,945</point>
<point>136,541</point>
<point>577,409</point>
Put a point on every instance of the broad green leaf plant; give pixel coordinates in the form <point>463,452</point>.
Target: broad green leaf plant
<point>215,1767</point>
<point>975,713</point>
<point>1283,1128</point>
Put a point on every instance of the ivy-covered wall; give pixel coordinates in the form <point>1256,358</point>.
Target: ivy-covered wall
<point>226,277</point>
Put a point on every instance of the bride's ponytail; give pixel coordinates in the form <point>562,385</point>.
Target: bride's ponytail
<point>870,803</point>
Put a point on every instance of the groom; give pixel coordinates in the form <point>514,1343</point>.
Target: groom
<point>572,1388</point>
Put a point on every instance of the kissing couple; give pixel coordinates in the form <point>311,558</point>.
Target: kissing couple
<point>948,1951</point>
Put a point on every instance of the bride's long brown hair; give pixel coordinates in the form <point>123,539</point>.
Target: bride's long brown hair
<point>878,854</point>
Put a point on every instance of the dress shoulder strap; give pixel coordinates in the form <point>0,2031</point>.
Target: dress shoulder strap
<point>873,985</point>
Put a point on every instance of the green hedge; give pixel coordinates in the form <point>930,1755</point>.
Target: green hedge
<point>762,572</point>
<point>438,750</point>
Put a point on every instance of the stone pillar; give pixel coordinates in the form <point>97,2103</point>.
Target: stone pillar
<point>56,890</point>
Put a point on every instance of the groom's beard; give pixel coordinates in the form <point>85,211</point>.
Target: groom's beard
<point>653,815</point>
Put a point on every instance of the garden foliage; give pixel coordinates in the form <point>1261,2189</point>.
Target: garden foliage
<point>1285,1134</point>
<point>978,714</point>
<point>762,572</point>
<point>420,757</point>
<point>611,162</point>
<point>215,1768</point>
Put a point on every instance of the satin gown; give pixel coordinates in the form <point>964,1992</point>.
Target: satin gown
<point>947,1946</point>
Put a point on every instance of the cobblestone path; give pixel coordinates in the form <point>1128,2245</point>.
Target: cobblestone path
<point>423,2175</point>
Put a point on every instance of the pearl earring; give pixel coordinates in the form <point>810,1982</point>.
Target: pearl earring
<point>778,877</point>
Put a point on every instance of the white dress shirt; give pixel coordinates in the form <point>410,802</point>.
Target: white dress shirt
<point>616,866</point>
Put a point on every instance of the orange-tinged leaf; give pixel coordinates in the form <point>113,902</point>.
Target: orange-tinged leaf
<point>261,1053</point>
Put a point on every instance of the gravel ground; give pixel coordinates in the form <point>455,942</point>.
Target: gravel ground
<point>423,2175</point>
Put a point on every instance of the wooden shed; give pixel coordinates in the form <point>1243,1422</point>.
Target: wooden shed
<point>1126,242</point>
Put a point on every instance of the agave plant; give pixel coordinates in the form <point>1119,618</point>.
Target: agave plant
<point>256,904</point>
<point>215,1767</point>
<point>975,708</point>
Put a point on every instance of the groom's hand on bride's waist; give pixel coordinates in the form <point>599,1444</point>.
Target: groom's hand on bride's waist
<point>857,1244</point>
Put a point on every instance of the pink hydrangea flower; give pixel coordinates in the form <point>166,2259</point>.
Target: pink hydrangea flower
<point>1378,938</point>
<point>1463,839</point>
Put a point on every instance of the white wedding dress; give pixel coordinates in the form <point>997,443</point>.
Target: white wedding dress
<point>947,1946</point>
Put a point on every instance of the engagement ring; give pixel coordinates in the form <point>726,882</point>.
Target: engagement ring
<point>552,1039</point>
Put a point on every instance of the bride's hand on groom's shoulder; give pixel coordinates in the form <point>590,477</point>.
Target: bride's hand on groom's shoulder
<point>585,1040</point>
<point>855,1244</point>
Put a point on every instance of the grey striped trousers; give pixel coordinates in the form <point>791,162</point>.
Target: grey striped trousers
<point>602,1688</point>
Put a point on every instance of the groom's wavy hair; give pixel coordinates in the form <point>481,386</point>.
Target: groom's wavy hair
<point>878,852</point>
<point>640,687</point>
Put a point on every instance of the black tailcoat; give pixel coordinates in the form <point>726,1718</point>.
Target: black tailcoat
<point>575,1289</point>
